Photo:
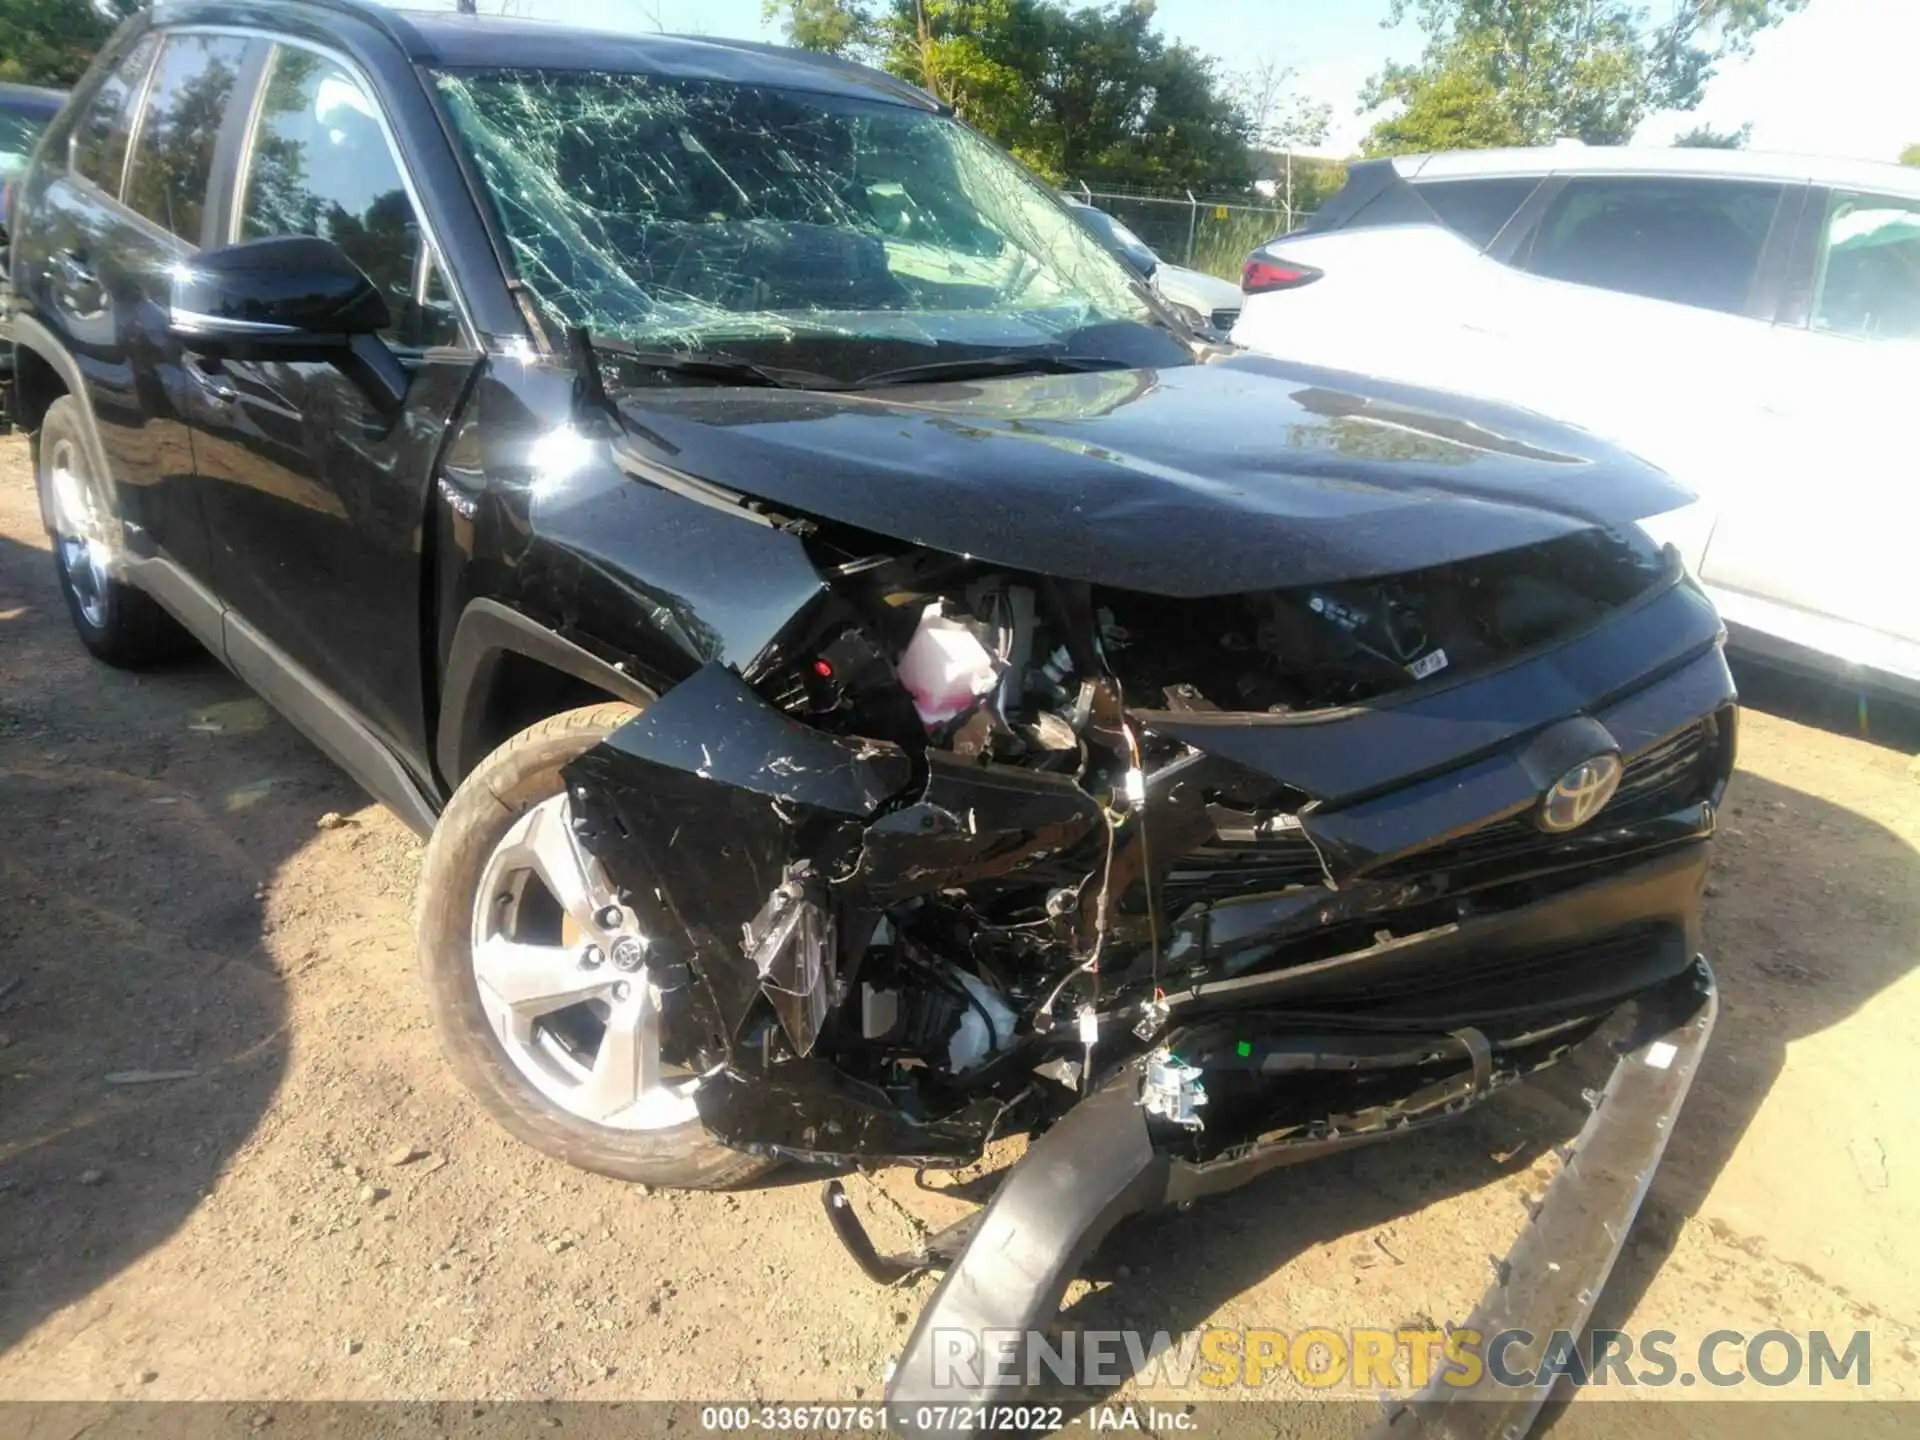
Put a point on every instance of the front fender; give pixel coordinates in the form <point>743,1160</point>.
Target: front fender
<point>546,518</point>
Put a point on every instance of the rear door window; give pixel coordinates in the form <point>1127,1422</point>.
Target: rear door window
<point>1477,210</point>
<point>1689,241</point>
<point>319,164</point>
<point>1869,282</point>
<point>193,84</point>
<point>99,144</point>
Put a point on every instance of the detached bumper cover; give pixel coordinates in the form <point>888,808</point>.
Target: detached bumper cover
<point>1554,1273</point>
<point>1101,1164</point>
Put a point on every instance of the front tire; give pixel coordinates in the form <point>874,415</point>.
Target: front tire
<point>119,623</point>
<point>547,1017</point>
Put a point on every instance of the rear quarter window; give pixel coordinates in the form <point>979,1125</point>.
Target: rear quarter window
<point>1477,210</point>
<point>1869,284</point>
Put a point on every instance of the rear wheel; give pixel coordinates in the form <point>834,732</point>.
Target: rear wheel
<point>119,623</point>
<point>538,976</point>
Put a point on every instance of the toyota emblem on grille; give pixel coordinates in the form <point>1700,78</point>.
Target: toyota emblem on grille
<point>1580,794</point>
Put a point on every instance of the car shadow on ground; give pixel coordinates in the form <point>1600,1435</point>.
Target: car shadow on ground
<point>142,1032</point>
<point>1176,1273</point>
<point>1860,714</point>
<point>1780,982</point>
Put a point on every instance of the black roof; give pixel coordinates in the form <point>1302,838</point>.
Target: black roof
<point>448,40</point>
<point>31,99</point>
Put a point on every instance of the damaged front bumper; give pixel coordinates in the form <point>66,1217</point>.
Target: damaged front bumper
<point>1102,1163</point>
<point>1410,888</point>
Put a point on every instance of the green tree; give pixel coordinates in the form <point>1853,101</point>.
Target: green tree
<point>1089,93</point>
<point>51,42</point>
<point>1705,137</point>
<point>1102,98</point>
<point>1502,72</point>
<point>1910,156</point>
<point>964,53</point>
<point>834,26</point>
<point>1453,108</point>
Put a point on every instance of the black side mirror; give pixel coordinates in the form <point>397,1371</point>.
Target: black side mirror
<point>291,297</point>
<point>295,290</point>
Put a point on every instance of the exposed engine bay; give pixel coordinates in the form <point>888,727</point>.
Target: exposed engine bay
<point>995,669</point>
<point>1007,667</point>
<point>991,850</point>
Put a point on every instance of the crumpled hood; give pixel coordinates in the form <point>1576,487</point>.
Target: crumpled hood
<point>1242,474</point>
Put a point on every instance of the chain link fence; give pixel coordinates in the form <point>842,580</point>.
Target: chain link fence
<point>1197,231</point>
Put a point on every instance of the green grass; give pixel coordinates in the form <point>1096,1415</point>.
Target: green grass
<point>1220,247</point>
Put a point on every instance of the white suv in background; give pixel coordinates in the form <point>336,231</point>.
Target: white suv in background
<point>1749,322</point>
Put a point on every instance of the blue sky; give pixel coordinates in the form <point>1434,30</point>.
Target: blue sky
<point>1835,79</point>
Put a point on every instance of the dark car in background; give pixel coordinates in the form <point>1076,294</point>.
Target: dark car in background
<point>872,677</point>
<point>25,111</point>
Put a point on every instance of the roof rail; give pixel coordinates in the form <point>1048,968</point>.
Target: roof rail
<point>388,22</point>
<point>825,60</point>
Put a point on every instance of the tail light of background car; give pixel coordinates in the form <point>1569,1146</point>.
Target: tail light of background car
<point>1264,273</point>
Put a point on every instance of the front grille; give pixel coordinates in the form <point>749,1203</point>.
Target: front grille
<point>1656,781</point>
<point>1674,773</point>
<point>1218,871</point>
<point>1485,989</point>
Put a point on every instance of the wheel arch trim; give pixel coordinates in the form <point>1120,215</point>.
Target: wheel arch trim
<point>487,633</point>
<point>30,334</point>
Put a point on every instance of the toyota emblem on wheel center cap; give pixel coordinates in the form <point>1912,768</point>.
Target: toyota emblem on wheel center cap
<point>1579,795</point>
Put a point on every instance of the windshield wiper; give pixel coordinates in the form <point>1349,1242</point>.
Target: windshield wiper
<point>979,367</point>
<point>718,366</point>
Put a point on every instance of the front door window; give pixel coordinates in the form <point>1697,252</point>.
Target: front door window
<point>320,165</point>
<point>1870,269</point>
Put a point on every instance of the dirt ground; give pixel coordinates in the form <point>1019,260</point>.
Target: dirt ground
<point>170,901</point>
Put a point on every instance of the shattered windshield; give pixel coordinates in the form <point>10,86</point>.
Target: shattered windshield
<point>1122,241</point>
<point>704,215</point>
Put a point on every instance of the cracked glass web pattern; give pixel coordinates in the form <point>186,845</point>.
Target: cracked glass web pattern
<point>664,211</point>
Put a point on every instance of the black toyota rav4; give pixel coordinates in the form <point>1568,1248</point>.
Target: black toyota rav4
<point>872,679</point>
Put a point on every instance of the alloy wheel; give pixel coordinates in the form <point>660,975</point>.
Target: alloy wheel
<point>561,969</point>
<point>80,532</point>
